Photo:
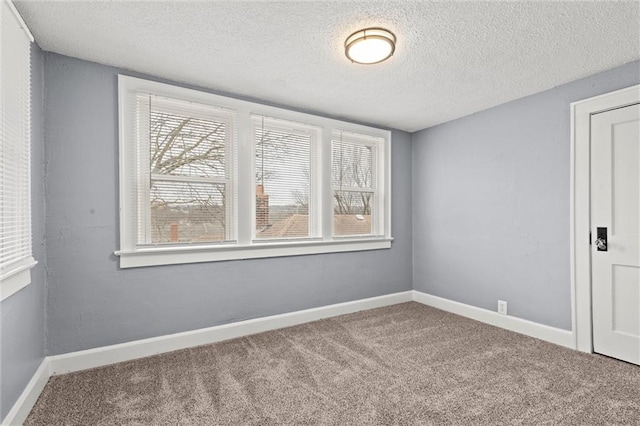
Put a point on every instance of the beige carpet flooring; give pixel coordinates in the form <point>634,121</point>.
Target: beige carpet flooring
<point>401,365</point>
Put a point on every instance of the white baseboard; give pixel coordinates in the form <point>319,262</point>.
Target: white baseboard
<point>21,409</point>
<point>90,358</point>
<point>529,328</point>
<point>82,360</point>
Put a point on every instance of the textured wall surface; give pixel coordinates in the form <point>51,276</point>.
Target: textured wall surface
<point>22,328</point>
<point>491,202</point>
<point>93,303</point>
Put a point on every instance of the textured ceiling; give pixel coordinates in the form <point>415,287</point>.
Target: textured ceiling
<point>452,58</point>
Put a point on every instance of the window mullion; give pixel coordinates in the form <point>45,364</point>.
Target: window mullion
<point>231,178</point>
<point>316,200</point>
<point>325,184</point>
<point>246,195</point>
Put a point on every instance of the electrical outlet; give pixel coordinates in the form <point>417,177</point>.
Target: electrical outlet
<point>502,307</point>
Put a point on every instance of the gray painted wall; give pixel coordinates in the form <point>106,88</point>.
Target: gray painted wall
<point>491,202</point>
<point>22,328</point>
<point>93,303</point>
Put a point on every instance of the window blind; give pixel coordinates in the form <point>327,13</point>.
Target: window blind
<point>15,159</point>
<point>186,192</point>
<point>285,178</point>
<point>354,183</point>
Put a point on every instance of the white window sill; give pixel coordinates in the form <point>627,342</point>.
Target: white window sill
<point>185,254</point>
<point>16,279</point>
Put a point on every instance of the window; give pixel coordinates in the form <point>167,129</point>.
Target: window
<point>16,258</point>
<point>185,193</point>
<point>354,174</point>
<point>286,179</point>
<point>205,178</point>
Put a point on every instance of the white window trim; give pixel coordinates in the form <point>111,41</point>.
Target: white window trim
<point>246,247</point>
<point>16,279</point>
<point>182,254</point>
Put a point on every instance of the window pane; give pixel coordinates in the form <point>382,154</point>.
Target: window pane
<point>351,165</point>
<point>181,144</point>
<point>184,212</point>
<point>283,177</point>
<point>353,157</point>
<point>352,212</point>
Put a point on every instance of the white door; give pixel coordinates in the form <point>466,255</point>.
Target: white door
<point>615,205</point>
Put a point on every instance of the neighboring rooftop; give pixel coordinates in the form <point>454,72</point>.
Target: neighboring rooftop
<point>297,226</point>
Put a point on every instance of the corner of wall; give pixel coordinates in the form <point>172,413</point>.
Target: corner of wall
<point>44,195</point>
<point>413,140</point>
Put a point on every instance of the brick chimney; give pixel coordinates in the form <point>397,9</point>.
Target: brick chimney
<point>262,208</point>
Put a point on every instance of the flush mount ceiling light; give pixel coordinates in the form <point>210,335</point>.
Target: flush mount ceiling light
<point>370,46</point>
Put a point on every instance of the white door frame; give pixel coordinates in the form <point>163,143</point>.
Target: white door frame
<point>580,227</point>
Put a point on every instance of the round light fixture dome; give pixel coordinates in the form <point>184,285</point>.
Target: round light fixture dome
<point>370,46</point>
